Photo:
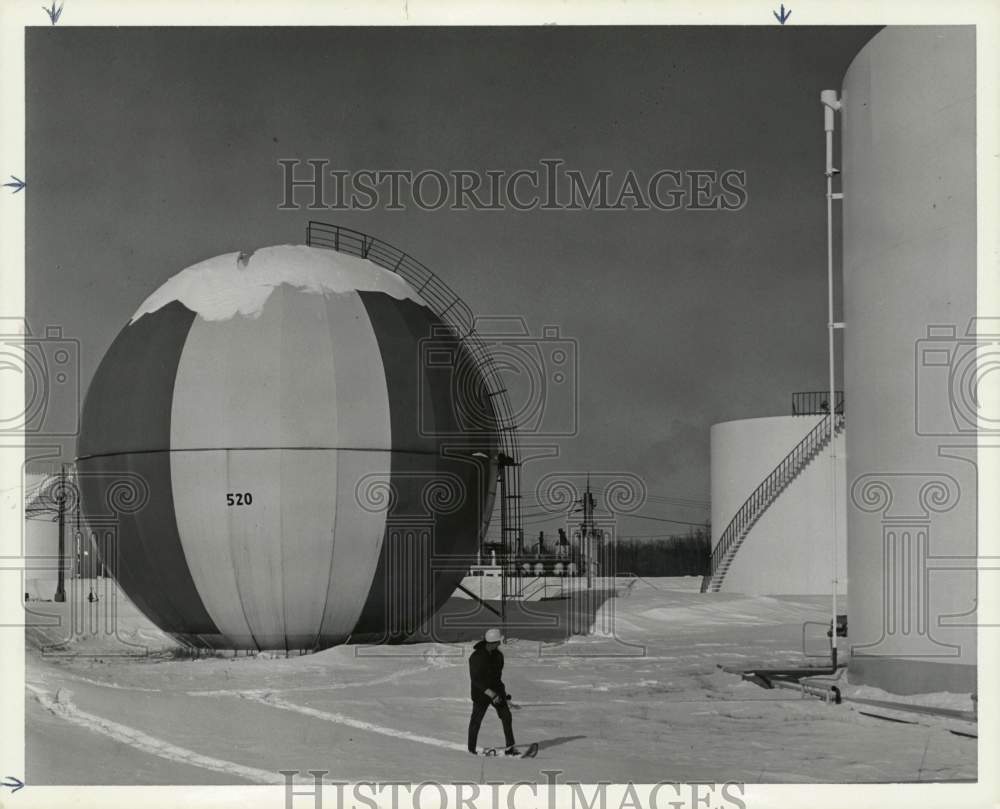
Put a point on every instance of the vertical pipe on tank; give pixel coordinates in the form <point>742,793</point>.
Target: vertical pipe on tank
<point>830,105</point>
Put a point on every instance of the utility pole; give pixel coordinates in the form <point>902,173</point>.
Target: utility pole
<point>510,522</point>
<point>503,548</point>
<point>61,502</point>
<point>587,531</point>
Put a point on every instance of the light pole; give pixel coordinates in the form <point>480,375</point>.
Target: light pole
<point>61,572</point>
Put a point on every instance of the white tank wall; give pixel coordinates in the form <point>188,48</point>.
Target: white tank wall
<point>41,542</point>
<point>41,547</point>
<point>790,549</point>
<point>909,182</point>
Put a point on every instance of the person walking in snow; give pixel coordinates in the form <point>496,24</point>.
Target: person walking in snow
<point>485,670</point>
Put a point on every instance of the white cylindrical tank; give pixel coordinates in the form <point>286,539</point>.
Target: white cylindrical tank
<point>41,537</point>
<point>789,550</point>
<point>909,213</point>
<point>41,546</point>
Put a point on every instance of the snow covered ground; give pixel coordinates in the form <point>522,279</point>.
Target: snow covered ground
<point>640,697</point>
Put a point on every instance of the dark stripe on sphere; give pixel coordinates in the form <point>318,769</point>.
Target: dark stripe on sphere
<point>410,580</point>
<point>126,413</point>
<point>127,407</point>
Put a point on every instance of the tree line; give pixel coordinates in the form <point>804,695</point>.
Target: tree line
<point>678,555</point>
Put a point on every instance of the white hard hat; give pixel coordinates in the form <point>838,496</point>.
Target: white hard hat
<point>493,636</point>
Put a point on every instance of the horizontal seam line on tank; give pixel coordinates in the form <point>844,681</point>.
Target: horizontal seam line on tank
<point>241,449</point>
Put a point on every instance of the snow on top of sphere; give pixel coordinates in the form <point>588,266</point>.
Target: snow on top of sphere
<point>233,284</point>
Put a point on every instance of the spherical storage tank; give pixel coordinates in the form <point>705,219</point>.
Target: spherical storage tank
<point>299,475</point>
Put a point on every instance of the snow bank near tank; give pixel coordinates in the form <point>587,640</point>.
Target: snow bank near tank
<point>936,699</point>
<point>653,608</point>
<point>233,284</point>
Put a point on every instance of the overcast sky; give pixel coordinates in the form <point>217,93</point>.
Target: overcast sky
<point>151,149</point>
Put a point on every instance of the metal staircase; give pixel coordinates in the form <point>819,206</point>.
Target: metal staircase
<point>764,495</point>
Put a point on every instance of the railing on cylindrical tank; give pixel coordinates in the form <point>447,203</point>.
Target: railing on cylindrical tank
<point>816,403</point>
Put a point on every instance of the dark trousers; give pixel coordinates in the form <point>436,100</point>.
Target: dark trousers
<point>479,709</point>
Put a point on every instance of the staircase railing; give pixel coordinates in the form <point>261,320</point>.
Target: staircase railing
<point>816,402</point>
<point>765,494</point>
<point>450,308</point>
<point>529,587</point>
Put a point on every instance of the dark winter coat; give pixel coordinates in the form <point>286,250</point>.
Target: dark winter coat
<point>485,669</point>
